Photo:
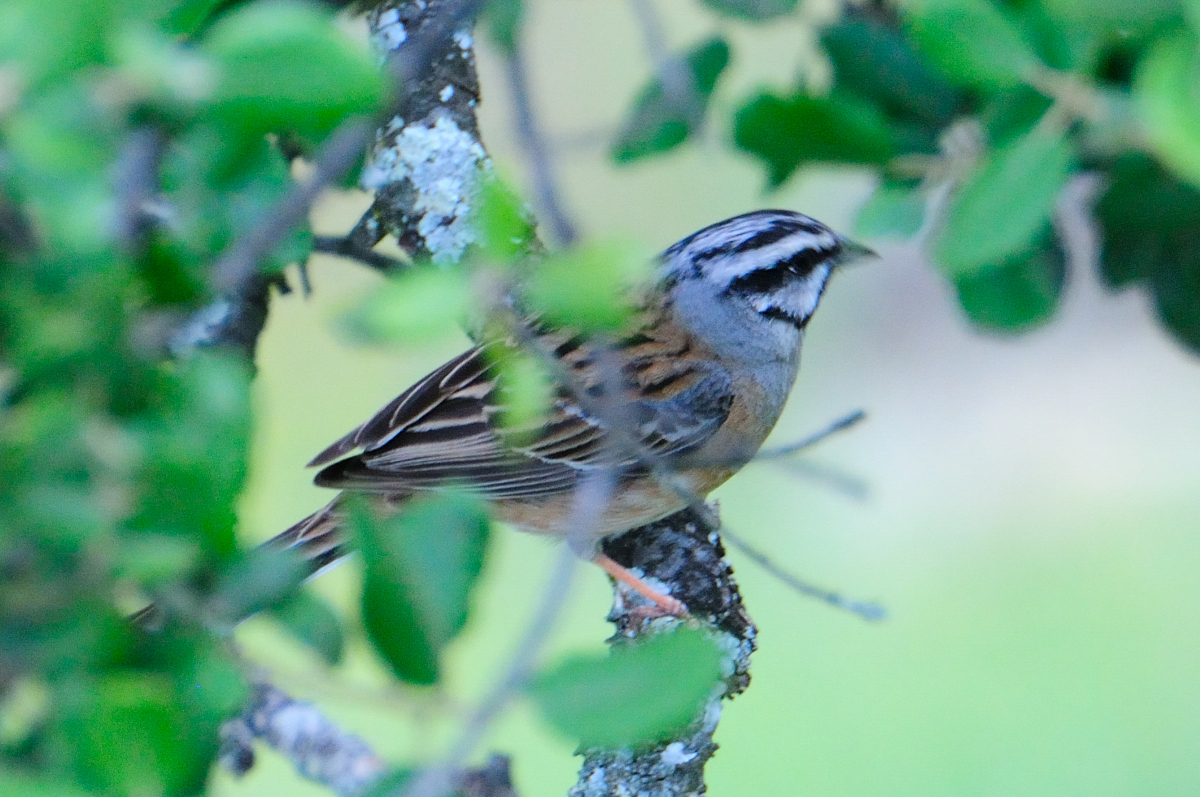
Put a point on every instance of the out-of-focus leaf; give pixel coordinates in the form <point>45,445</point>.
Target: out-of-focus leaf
<point>504,222</point>
<point>756,10</point>
<point>786,132</point>
<point>13,784</point>
<point>155,558</point>
<point>1127,16</point>
<point>260,579</point>
<point>134,737</point>
<point>1167,90</point>
<point>1000,210</point>
<point>419,568</point>
<point>1150,225</point>
<point>1010,114</point>
<point>638,693</point>
<point>974,42</point>
<point>195,453</point>
<point>895,210</point>
<point>1017,295</point>
<point>878,64</point>
<point>503,19</point>
<point>526,391</point>
<point>416,305</point>
<point>588,288</point>
<point>660,121</point>
<point>311,620</point>
<point>46,39</point>
<point>285,65</point>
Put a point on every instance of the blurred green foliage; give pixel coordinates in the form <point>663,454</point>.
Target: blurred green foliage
<point>981,111</point>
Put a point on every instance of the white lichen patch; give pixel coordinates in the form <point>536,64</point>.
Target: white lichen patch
<point>443,163</point>
<point>390,31</point>
<point>675,754</point>
<point>463,39</point>
<point>445,94</point>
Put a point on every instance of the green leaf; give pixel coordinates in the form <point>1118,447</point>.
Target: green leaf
<point>311,620</point>
<point>639,693</point>
<point>660,121</point>
<point>786,132</point>
<point>1017,295</point>
<point>47,39</point>
<point>526,391</point>
<point>1167,90</point>
<point>258,580</point>
<point>416,305</point>
<point>1150,226</point>
<point>285,65</point>
<point>755,10</point>
<point>999,211</point>
<point>195,459</point>
<point>503,19</point>
<point>419,568</point>
<point>587,288</point>
<point>974,42</point>
<point>895,210</point>
<point>132,736</point>
<point>1128,17</point>
<point>14,784</point>
<point>878,64</point>
<point>504,222</point>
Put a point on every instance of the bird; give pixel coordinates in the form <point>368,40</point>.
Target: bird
<point>694,386</point>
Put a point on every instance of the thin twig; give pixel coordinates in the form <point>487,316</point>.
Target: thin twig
<point>136,183</point>
<point>808,442</point>
<point>345,246</point>
<point>865,609</point>
<point>679,88</point>
<point>534,143</point>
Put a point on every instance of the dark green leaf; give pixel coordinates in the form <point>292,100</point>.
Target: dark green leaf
<point>756,10</point>
<point>1150,223</point>
<point>974,42</point>
<point>419,568</point>
<point>311,620</point>
<point>1017,295</point>
<point>1166,91</point>
<point>1010,114</point>
<point>285,65</point>
<point>878,64</point>
<point>1000,210</point>
<point>660,121</point>
<point>786,132</point>
<point>503,19</point>
<point>638,693</point>
<point>260,579</point>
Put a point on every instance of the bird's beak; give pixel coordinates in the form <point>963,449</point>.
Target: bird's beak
<point>853,252</point>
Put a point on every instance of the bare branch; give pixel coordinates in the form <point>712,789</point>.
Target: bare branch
<point>839,425</point>
<point>345,246</point>
<point>534,143</point>
<point>679,88</point>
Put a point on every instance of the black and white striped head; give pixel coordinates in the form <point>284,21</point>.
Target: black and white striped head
<point>777,261</point>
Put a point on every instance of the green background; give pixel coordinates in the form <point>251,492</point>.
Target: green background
<point>1030,515</point>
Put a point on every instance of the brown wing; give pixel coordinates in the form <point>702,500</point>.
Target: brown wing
<point>441,431</point>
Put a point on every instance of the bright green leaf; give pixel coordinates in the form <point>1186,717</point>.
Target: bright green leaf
<point>285,65</point>
<point>419,304</point>
<point>787,132</point>
<point>311,620</point>
<point>13,784</point>
<point>504,222</point>
<point>419,568</point>
<point>638,693</point>
<point>974,42</point>
<point>1123,16</point>
<point>660,121</point>
<point>587,288</point>
<point>47,39</point>
<point>1017,295</point>
<point>1000,210</point>
<point>1167,90</point>
<point>756,10</point>
<point>526,391</point>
